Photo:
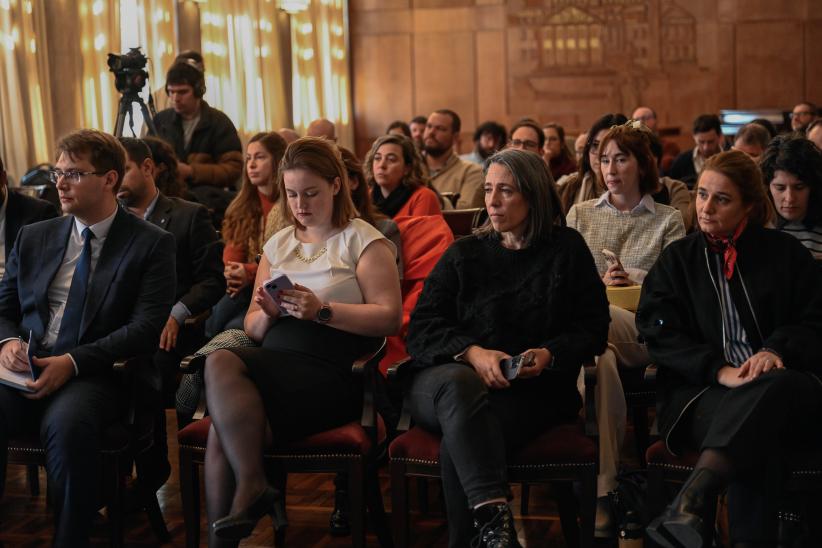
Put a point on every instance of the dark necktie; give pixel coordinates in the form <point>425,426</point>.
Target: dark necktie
<point>67,337</point>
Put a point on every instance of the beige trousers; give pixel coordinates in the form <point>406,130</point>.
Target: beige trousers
<point>623,351</point>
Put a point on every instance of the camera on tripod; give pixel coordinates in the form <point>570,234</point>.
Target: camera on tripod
<point>130,76</point>
<point>129,71</point>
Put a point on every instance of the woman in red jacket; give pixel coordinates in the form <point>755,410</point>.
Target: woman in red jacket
<point>393,170</point>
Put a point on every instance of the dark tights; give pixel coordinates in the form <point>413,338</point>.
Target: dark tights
<point>234,472</point>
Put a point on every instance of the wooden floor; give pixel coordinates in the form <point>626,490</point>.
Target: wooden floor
<point>25,521</point>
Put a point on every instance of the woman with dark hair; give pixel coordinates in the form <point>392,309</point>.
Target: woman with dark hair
<point>165,168</point>
<point>522,284</point>
<point>732,317</point>
<point>251,218</point>
<point>394,173</point>
<point>299,381</point>
<point>627,222</point>
<point>398,127</point>
<point>792,169</point>
<point>574,189</point>
<point>556,152</point>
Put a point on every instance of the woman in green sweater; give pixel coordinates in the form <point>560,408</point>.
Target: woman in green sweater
<point>522,284</point>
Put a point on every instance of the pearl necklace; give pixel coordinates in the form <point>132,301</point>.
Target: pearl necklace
<point>311,259</point>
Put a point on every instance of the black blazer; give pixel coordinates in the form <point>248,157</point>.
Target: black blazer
<point>200,279</point>
<point>22,210</point>
<point>129,297</point>
<point>776,288</point>
<point>682,168</point>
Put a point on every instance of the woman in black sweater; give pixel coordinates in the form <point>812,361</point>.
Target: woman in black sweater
<point>732,316</point>
<point>524,283</point>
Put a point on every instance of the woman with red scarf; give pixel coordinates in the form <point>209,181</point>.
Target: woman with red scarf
<point>732,316</point>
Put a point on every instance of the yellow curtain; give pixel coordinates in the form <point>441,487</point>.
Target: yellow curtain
<point>243,69</point>
<point>320,69</point>
<point>99,33</point>
<point>26,128</point>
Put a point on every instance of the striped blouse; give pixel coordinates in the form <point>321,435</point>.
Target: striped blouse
<point>737,347</point>
<point>810,238</point>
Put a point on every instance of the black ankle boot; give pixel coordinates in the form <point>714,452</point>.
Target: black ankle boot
<point>689,520</point>
<point>494,525</point>
<point>339,524</point>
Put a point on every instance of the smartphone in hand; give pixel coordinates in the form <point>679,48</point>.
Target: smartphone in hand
<point>274,286</point>
<point>511,366</point>
<point>611,258</point>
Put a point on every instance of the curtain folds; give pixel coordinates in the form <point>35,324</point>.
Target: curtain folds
<point>244,74</point>
<point>320,74</point>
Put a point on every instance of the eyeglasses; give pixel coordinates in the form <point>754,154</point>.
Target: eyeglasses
<point>519,143</point>
<point>73,177</point>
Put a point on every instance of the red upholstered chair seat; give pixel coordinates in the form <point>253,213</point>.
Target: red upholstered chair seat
<point>349,438</point>
<point>560,445</point>
<point>658,455</point>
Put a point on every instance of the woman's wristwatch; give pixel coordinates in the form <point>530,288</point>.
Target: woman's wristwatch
<point>324,314</point>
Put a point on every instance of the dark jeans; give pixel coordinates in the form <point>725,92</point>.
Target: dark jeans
<point>755,424</point>
<point>71,423</point>
<point>479,428</point>
<point>228,313</point>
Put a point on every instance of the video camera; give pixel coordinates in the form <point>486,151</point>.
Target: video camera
<point>129,71</point>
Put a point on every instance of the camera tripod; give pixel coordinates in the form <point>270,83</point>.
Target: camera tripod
<point>126,106</point>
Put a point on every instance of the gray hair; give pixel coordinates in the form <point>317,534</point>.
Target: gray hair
<point>533,179</point>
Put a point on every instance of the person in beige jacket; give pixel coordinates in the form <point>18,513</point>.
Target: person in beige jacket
<point>447,172</point>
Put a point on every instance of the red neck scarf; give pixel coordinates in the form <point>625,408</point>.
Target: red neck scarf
<point>727,246</point>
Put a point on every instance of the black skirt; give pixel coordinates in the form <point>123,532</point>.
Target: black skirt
<point>303,373</point>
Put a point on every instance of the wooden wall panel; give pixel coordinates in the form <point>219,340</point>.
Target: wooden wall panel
<point>383,88</point>
<point>571,61</point>
<point>445,75</point>
<point>766,74</point>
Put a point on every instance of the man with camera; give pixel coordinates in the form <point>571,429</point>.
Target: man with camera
<point>204,139</point>
<point>88,288</point>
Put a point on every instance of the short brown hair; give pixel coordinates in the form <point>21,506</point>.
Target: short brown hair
<point>104,151</point>
<point>410,156</point>
<point>633,138</point>
<point>321,157</point>
<point>745,174</point>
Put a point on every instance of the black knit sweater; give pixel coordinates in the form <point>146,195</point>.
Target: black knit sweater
<point>546,295</point>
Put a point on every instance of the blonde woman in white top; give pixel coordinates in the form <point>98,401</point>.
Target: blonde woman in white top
<point>298,382</point>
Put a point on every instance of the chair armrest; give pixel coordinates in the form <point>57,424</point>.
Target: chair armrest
<point>198,320</point>
<point>366,367</point>
<point>650,374</point>
<point>192,363</point>
<point>591,428</point>
<point>396,371</point>
<point>398,368</point>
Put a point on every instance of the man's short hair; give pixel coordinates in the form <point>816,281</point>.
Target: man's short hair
<point>495,129</point>
<point>419,120</point>
<point>456,123</point>
<point>531,123</point>
<point>136,149</point>
<point>182,73</point>
<point>191,55</point>
<point>811,107</point>
<point>707,122</point>
<point>753,135</point>
<point>102,150</point>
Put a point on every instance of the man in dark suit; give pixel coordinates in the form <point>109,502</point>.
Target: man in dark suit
<point>200,279</point>
<point>16,211</point>
<point>92,287</point>
<point>708,141</point>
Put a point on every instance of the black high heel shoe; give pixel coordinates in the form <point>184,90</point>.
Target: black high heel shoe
<point>240,525</point>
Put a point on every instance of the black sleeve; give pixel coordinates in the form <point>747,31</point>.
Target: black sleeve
<point>434,334</point>
<point>10,310</point>
<point>206,262</point>
<point>665,321</point>
<point>585,333</point>
<point>799,342</point>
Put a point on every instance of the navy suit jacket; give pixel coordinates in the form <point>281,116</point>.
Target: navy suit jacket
<point>129,297</point>
<point>22,210</point>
